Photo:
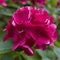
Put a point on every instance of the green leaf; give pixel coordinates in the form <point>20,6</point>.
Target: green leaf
<point>57,51</point>
<point>42,54</point>
<point>51,5</point>
<point>5,11</point>
<point>6,46</point>
<point>57,43</point>
<point>6,57</point>
<point>54,2</point>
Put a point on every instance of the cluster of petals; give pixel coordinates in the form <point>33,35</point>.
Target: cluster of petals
<point>3,2</point>
<point>38,2</point>
<point>31,27</point>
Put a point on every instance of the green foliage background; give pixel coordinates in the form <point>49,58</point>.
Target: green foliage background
<point>51,53</point>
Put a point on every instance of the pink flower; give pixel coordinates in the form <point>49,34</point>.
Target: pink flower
<point>39,2</point>
<point>58,3</point>
<point>2,2</point>
<point>22,1</point>
<point>31,27</point>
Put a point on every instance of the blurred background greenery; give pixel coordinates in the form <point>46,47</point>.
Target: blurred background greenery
<point>51,53</point>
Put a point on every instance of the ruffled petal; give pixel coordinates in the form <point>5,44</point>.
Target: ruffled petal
<point>28,50</point>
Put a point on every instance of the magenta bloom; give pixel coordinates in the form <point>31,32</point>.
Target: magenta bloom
<point>58,3</point>
<point>31,27</point>
<point>2,2</point>
<point>39,2</point>
<point>21,1</point>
